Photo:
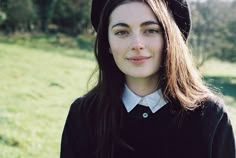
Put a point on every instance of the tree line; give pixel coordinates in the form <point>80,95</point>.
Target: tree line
<point>49,16</point>
<point>213,30</point>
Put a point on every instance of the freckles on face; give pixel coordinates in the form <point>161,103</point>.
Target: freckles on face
<point>136,40</point>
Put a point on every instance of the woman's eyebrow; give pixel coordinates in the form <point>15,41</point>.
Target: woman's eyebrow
<point>120,24</point>
<point>142,24</point>
<point>149,23</point>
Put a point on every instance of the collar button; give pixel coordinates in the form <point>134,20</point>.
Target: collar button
<point>145,115</point>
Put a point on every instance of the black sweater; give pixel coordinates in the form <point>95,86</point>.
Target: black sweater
<point>205,132</point>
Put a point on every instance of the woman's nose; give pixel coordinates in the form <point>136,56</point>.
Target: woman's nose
<point>137,43</point>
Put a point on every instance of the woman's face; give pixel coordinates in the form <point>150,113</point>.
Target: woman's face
<point>136,40</point>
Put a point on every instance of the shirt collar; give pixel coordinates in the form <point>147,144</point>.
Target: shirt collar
<point>154,101</point>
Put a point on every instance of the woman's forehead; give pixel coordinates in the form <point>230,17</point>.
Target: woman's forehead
<point>134,12</point>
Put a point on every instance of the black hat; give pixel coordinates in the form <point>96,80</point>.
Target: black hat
<point>180,10</point>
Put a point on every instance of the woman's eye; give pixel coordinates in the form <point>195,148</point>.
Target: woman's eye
<point>122,33</point>
<point>151,31</point>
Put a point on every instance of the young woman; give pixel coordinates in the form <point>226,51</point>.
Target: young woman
<point>150,101</point>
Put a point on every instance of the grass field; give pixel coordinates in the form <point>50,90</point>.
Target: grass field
<point>37,88</point>
<point>38,85</point>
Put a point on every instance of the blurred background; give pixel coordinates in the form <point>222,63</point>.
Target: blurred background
<point>46,59</point>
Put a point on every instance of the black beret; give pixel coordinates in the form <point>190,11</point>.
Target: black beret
<point>179,8</point>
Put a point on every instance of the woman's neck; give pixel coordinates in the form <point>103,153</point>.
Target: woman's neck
<point>141,86</point>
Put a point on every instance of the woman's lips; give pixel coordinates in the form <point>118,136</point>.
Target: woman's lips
<point>138,59</point>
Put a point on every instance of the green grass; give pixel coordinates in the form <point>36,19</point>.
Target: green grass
<point>58,43</point>
<point>37,88</point>
<point>39,81</point>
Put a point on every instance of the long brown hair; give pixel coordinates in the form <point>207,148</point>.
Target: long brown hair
<point>178,78</point>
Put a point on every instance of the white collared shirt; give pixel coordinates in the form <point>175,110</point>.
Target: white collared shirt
<point>154,101</point>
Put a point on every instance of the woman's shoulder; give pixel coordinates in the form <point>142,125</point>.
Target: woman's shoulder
<point>214,107</point>
<point>86,99</point>
<point>211,113</point>
<point>82,103</point>
<point>216,127</point>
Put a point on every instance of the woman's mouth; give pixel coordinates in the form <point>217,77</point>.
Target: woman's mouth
<point>138,59</point>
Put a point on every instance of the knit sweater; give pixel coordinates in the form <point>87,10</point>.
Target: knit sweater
<point>205,132</point>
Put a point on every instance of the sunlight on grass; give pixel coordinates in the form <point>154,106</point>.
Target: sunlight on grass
<point>37,89</point>
<point>215,67</point>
